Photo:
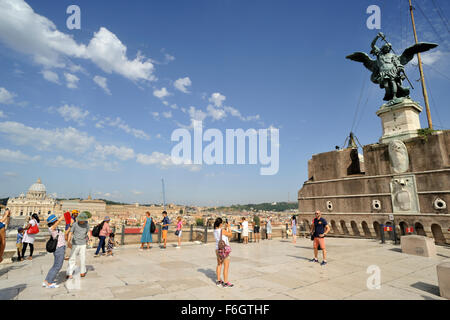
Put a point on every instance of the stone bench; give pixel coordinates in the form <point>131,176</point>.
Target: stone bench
<point>7,256</point>
<point>443,273</point>
<point>418,245</point>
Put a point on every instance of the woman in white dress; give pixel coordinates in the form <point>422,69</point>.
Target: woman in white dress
<point>245,230</point>
<point>28,239</point>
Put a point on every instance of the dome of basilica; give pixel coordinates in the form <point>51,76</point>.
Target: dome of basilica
<point>37,187</point>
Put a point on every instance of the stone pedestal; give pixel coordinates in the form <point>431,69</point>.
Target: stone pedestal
<point>443,274</point>
<point>399,121</point>
<point>418,245</point>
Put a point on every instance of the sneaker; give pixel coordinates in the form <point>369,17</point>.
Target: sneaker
<point>219,283</point>
<point>96,255</point>
<point>314,260</point>
<point>323,263</point>
<point>44,284</point>
<point>52,286</point>
<point>177,247</point>
<point>227,285</point>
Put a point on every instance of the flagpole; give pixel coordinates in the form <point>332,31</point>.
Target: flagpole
<point>422,79</point>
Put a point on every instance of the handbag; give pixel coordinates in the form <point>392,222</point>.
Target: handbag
<point>52,244</point>
<point>33,229</point>
<point>177,232</point>
<point>224,250</point>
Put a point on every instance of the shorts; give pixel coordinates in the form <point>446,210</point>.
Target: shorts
<point>179,233</point>
<point>294,231</point>
<point>318,241</point>
<point>2,225</point>
<point>256,229</point>
<point>19,246</point>
<point>245,233</point>
<point>164,234</point>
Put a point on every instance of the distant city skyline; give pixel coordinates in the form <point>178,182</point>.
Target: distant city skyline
<point>91,111</point>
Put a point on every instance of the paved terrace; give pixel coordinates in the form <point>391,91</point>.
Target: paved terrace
<point>275,269</point>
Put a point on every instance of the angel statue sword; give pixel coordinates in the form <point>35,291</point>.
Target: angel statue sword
<point>383,37</point>
<point>388,70</point>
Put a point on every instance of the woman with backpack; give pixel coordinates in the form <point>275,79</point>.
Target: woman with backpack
<point>104,232</point>
<point>32,229</point>
<point>60,250</point>
<point>146,232</point>
<point>222,252</point>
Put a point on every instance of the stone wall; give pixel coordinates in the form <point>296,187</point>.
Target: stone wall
<point>347,195</point>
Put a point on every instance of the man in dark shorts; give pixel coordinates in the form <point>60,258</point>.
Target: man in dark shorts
<point>257,228</point>
<point>319,228</point>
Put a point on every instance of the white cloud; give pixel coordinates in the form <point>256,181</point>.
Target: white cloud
<point>236,113</point>
<point>66,139</point>
<point>155,115</point>
<point>182,83</point>
<point>174,106</point>
<point>101,82</point>
<point>60,161</point>
<point>72,80</point>
<point>217,99</point>
<point>169,58</point>
<point>162,160</point>
<point>196,114</point>
<point>161,94</point>
<point>110,54</point>
<point>167,114</point>
<point>119,123</point>
<point>10,174</point>
<point>2,114</point>
<point>121,153</point>
<point>28,32</point>
<point>50,76</point>
<point>137,193</point>
<point>216,113</point>
<point>6,97</point>
<point>16,156</point>
<point>72,113</point>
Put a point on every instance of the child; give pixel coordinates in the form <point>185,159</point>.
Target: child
<point>19,243</point>
<point>110,247</point>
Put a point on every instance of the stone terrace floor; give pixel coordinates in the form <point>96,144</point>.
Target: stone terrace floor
<point>275,269</point>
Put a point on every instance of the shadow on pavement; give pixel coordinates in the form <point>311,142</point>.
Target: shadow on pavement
<point>10,268</point>
<point>11,293</point>
<point>427,288</point>
<point>303,258</point>
<point>210,273</point>
<point>396,250</point>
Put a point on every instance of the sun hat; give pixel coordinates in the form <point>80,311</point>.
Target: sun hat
<point>106,219</point>
<point>51,218</point>
<point>75,211</point>
<point>84,216</point>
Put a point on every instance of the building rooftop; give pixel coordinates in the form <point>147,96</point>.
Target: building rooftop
<point>275,269</point>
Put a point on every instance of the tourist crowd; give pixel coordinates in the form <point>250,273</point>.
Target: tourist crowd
<point>77,235</point>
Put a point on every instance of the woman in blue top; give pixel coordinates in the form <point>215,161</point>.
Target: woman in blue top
<point>146,232</point>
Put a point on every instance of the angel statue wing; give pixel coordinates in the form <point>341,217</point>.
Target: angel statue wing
<point>364,58</point>
<point>409,53</point>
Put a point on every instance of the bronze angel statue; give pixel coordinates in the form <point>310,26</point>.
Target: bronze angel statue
<point>388,70</point>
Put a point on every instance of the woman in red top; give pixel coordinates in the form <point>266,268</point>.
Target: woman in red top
<point>106,230</point>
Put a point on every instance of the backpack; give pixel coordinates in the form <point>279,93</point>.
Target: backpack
<point>152,227</point>
<point>52,244</point>
<point>224,250</point>
<point>97,229</point>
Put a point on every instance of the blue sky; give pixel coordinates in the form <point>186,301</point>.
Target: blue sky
<point>91,111</point>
